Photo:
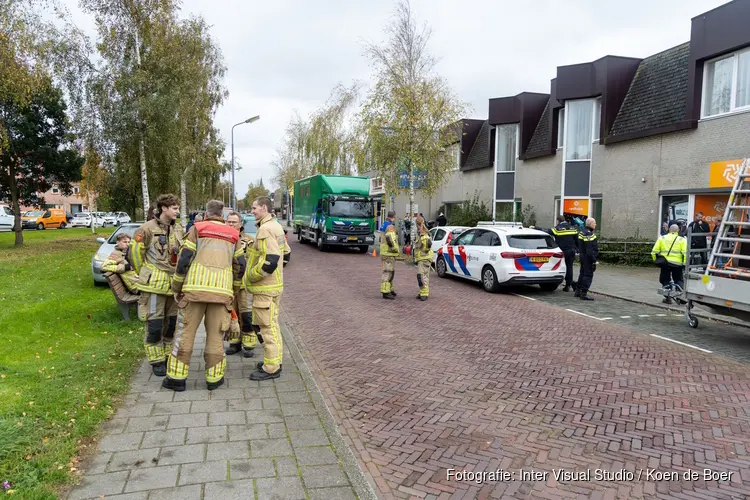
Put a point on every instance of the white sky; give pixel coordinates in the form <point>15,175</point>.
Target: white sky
<point>289,54</point>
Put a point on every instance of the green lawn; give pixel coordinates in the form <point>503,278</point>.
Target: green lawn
<point>66,355</point>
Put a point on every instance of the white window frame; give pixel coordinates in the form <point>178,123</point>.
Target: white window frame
<point>497,148</point>
<point>561,128</point>
<point>457,166</point>
<point>596,124</point>
<point>565,139</point>
<point>733,93</point>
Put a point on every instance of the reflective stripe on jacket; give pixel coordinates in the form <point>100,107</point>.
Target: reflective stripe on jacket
<point>264,274</point>
<point>389,242</point>
<point>423,250</point>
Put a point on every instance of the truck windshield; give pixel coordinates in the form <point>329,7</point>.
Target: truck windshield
<point>342,208</point>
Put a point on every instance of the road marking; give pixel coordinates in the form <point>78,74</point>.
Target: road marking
<point>584,314</point>
<point>681,343</point>
<point>604,319</point>
<point>523,296</point>
<point>662,315</point>
<point>643,315</point>
<point>625,317</point>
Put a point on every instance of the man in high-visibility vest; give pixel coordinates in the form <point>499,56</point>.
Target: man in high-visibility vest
<point>673,248</point>
<point>423,255</point>
<point>388,252</point>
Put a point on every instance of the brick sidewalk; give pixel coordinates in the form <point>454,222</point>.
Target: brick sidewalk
<point>478,382</point>
<point>245,440</point>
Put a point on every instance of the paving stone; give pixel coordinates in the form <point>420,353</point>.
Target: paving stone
<point>332,494</point>
<point>100,484</point>
<point>270,448</point>
<point>193,492</point>
<point>294,409</point>
<point>253,468</point>
<point>287,488</point>
<point>260,393</point>
<point>319,455</point>
<point>324,476</point>
<point>226,418</point>
<point>226,451</point>
<point>121,442</point>
<point>188,420</point>
<point>294,397</point>
<point>155,397</point>
<point>271,404</point>
<point>206,435</point>
<point>286,466</point>
<point>290,386</point>
<point>203,472</point>
<point>208,406</point>
<point>171,408</point>
<point>140,424</point>
<point>245,404</point>
<point>115,425</point>
<point>307,422</point>
<point>315,437</point>
<point>157,439</point>
<point>129,460</point>
<point>226,393</point>
<point>190,396</point>
<point>276,431</point>
<point>97,464</point>
<point>140,495</point>
<point>230,490</point>
<point>136,410</point>
<point>153,478</point>
<point>185,454</point>
<point>264,416</point>
<point>247,432</point>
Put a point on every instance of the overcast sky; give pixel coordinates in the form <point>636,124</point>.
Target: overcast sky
<point>287,55</point>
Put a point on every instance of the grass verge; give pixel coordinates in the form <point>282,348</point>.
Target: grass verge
<point>66,356</point>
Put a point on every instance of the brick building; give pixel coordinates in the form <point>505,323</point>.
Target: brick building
<point>72,204</point>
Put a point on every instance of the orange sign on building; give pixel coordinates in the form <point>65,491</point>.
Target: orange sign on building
<point>576,206</point>
<point>711,205</point>
<point>723,174</point>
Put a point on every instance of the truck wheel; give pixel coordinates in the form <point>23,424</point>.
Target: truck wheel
<point>321,246</point>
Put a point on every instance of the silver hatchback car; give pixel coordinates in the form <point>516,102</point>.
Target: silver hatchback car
<point>108,245</point>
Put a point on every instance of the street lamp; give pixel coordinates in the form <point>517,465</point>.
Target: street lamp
<point>249,120</point>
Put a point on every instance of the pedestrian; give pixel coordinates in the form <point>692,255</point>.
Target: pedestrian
<point>264,279</point>
<point>388,252</point>
<point>700,228</point>
<point>117,263</point>
<point>153,255</point>
<point>423,255</point>
<point>588,253</point>
<point>566,237</point>
<point>209,258</point>
<point>441,220</point>
<point>246,341</point>
<point>672,248</point>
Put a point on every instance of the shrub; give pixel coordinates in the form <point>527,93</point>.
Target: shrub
<point>631,251</point>
<point>470,212</point>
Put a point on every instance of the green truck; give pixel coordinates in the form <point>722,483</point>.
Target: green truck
<point>334,210</point>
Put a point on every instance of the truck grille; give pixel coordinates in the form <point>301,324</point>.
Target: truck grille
<point>351,230</point>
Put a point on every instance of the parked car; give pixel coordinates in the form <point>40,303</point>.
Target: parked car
<point>443,235</point>
<point>503,254</point>
<point>45,219</point>
<point>7,218</point>
<point>28,218</point>
<point>108,245</point>
<point>109,219</point>
<point>85,219</point>
<point>121,218</point>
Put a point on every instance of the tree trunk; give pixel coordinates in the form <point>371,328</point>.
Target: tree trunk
<point>183,194</point>
<point>16,207</point>
<point>144,177</point>
<point>413,226</point>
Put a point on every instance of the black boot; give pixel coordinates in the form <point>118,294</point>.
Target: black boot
<point>566,288</point>
<point>260,366</point>
<point>262,375</point>
<point>586,296</point>
<point>578,293</point>
<point>159,369</point>
<point>667,300</point>
<point>233,349</point>
<point>175,385</point>
<point>248,353</point>
<point>393,293</point>
<point>388,296</point>
<point>214,385</point>
<point>423,298</point>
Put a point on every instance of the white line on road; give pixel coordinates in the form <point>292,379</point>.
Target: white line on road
<point>523,296</point>
<point>681,343</point>
<point>625,317</point>
<point>604,319</point>
<point>661,315</point>
<point>644,315</point>
<point>584,314</point>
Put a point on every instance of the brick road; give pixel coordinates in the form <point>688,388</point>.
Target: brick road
<point>478,382</point>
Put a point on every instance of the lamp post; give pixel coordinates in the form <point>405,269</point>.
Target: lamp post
<point>234,197</point>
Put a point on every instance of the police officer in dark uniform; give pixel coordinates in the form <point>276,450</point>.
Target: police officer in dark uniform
<point>588,252</point>
<point>566,237</point>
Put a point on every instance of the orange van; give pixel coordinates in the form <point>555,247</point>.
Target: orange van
<point>53,217</point>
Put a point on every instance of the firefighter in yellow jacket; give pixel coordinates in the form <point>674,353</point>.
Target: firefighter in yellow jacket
<point>388,252</point>
<point>117,263</point>
<point>246,340</point>
<point>264,279</point>
<point>153,255</point>
<point>210,260</point>
<point>423,255</point>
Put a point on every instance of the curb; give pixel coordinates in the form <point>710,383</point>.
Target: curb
<point>362,486</point>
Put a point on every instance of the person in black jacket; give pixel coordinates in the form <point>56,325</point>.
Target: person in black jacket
<point>566,237</point>
<point>702,229</point>
<point>588,250</point>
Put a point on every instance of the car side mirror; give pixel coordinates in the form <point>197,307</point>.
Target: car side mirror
<point>101,240</point>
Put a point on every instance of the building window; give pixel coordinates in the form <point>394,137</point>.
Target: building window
<point>561,128</point>
<point>597,118</point>
<point>506,150</point>
<point>76,190</point>
<point>456,152</point>
<point>727,84</point>
<point>508,211</point>
<point>55,190</point>
<point>580,118</point>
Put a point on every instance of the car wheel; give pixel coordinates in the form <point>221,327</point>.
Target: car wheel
<point>549,287</point>
<point>40,226</point>
<point>440,267</point>
<point>63,225</point>
<point>97,283</point>
<point>489,279</point>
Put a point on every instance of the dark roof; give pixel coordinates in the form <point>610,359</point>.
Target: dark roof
<point>471,130</point>
<point>479,156</point>
<point>657,97</point>
<point>542,138</point>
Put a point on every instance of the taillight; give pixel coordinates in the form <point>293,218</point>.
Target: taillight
<point>558,255</point>
<point>513,255</point>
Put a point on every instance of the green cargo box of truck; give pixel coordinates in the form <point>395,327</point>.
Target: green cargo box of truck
<point>334,210</point>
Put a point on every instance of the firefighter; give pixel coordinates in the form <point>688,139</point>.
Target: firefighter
<point>566,237</point>
<point>210,260</point>
<point>388,252</point>
<point>118,263</point>
<point>153,255</point>
<point>588,253</point>
<point>423,255</point>
<point>264,279</point>
<point>243,301</point>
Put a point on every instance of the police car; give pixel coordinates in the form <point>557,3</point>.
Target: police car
<point>503,254</point>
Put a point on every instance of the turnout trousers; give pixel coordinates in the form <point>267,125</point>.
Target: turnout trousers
<point>423,277</point>
<point>216,318</point>
<point>266,316</point>
<point>243,306</point>
<point>389,272</point>
<point>160,313</point>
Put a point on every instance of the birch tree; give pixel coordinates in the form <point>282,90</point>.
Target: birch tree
<point>410,113</point>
